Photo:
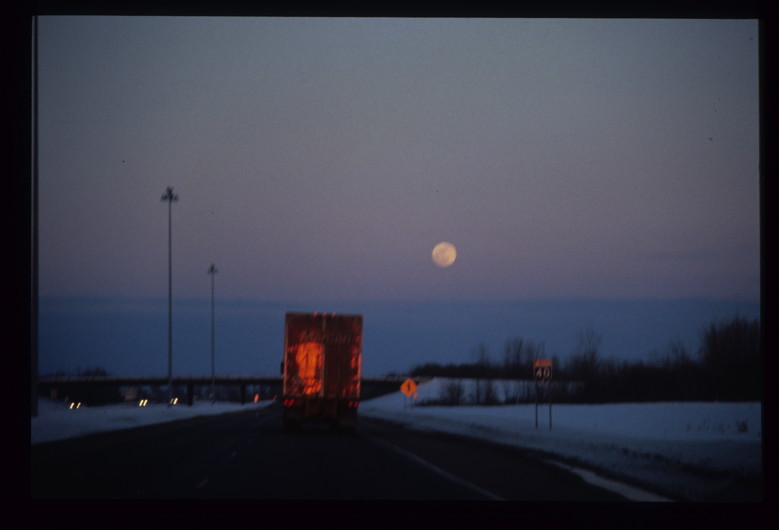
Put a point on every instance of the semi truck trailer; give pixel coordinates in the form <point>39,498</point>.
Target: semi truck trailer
<point>321,369</point>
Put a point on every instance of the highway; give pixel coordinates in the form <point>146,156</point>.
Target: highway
<point>246,455</point>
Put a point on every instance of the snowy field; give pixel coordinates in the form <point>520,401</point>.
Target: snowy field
<point>686,451</point>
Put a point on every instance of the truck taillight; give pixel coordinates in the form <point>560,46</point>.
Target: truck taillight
<point>352,404</point>
<point>288,402</point>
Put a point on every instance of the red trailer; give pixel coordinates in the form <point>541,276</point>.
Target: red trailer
<point>322,360</point>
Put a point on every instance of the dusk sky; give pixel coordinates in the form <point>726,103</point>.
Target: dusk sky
<point>322,159</point>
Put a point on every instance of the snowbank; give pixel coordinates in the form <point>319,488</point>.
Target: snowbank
<point>672,447</point>
<point>56,421</point>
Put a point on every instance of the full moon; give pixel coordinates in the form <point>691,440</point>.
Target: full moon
<point>444,254</point>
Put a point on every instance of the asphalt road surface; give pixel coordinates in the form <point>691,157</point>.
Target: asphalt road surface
<point>246,455</point>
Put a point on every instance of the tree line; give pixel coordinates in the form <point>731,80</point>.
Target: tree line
<point>728,366</point>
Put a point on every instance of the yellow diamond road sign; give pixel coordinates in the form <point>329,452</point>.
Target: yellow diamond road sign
<point>408,387</point>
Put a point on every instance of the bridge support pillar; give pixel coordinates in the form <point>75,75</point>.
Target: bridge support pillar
<point>243,394</point>
<point>190,394</point>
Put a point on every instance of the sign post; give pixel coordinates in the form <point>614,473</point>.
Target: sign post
<point>549,389</point>
<point>536,403</point>
<point>542,371</point>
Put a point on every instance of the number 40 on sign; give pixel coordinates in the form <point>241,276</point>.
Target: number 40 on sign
<point>542,368</point>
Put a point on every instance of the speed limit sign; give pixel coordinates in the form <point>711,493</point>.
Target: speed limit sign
<point>542,368</point>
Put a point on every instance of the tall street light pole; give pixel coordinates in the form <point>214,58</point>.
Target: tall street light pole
<point>170,198</point>
<point>212,271</point>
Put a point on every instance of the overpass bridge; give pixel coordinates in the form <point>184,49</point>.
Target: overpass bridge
<point>89,389</point>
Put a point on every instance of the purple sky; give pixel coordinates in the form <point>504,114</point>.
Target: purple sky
<point>324,158</point>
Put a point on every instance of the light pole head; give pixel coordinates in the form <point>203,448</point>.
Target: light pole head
<point>212,269</point>
<point>169,196</point>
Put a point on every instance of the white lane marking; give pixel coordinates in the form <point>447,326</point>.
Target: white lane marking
<point>436,469</point>
<point>629,492</point>
<point>202,483</point>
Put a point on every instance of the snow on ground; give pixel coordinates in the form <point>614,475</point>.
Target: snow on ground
<point>690,451</point>
<point>57,421</point>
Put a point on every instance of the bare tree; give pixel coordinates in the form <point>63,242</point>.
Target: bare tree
<point>584,363</point>
<point>732,359</point>
<point>481,357</point>
<point>518,356</point>
<point>481,370</point>
<point>588,342</point>
<point>453,393</point>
